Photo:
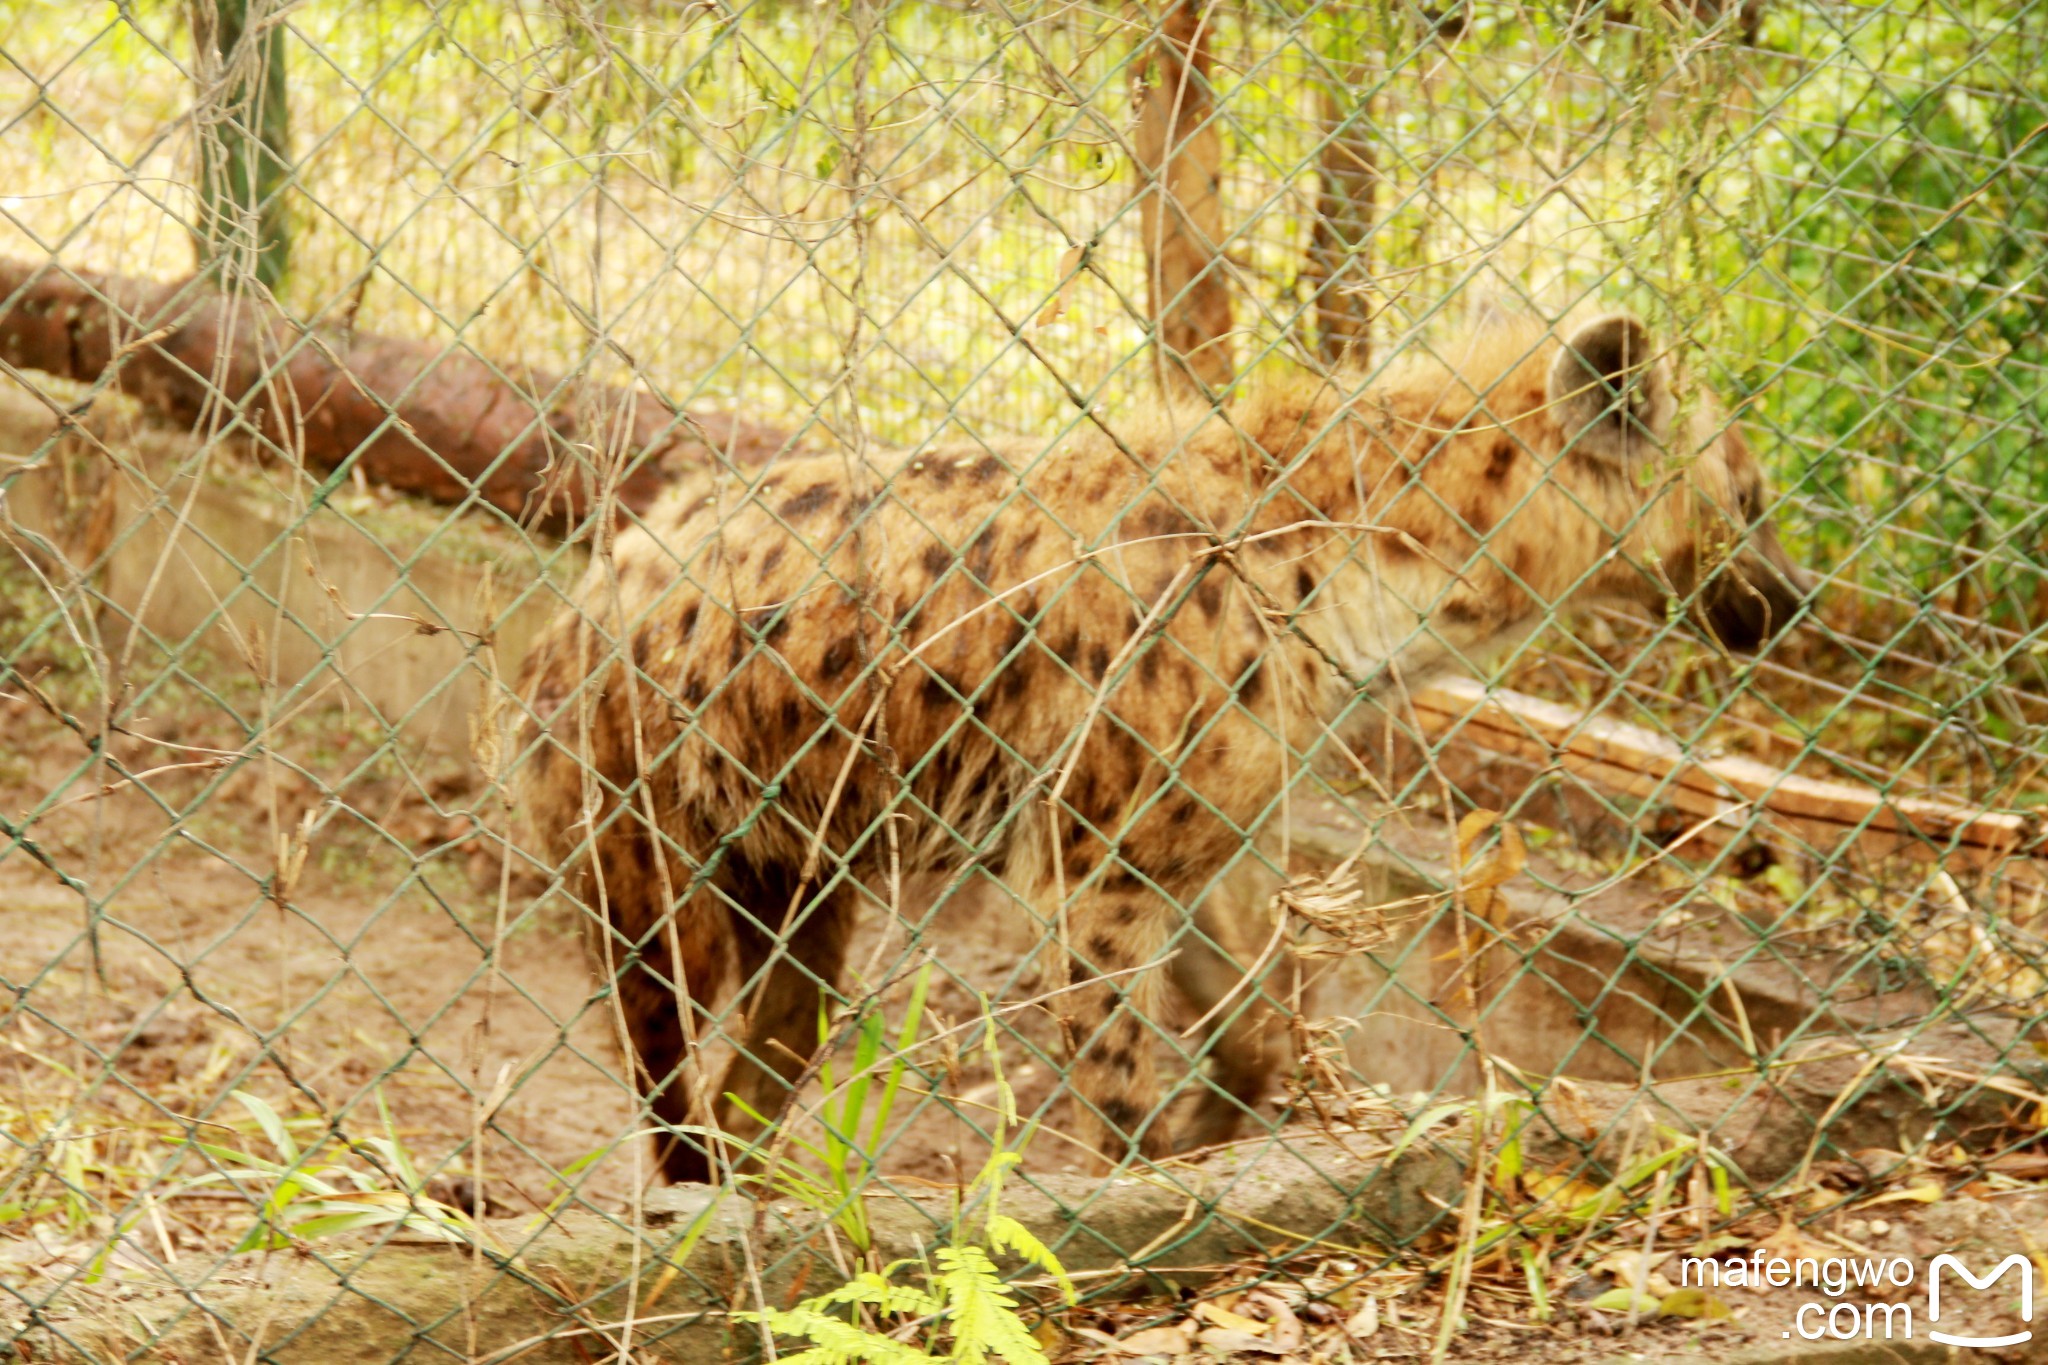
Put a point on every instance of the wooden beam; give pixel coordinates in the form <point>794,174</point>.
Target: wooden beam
<point>1831,817</point>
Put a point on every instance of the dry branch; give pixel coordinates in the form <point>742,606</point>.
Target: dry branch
<point>1829,816</point>
<point>1179,150</point>
<point>437,423</point>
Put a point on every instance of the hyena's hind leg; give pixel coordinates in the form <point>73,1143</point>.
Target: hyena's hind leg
<point>640,922</point>
<point>802,955</point>
<point>1243,1033</point>
<point>1117,927</point>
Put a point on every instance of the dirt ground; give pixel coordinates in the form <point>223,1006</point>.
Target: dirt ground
<point>372,980</point>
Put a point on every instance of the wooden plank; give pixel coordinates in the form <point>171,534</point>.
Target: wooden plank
<point>1829,816</point>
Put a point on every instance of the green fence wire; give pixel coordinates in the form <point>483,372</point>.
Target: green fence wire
<point>782,450</point>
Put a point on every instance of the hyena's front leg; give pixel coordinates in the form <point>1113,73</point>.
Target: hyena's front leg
<point>1117,926</point>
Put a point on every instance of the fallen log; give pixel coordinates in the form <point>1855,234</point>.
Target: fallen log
<point>432,421</point>
<point>1721,792</point>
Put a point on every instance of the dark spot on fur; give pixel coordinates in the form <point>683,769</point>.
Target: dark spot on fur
<point>1500,460</point>
<point>686,624</point>
<point>1102,948</point>
<point>693,690</point>
<point>939,471</point>
<point>1079,970</point>
<point>838,658</point>
<point>1015,681</point>
<point>1127,913</point>
<point>1463,611</point>
<point>1251,680</point>
<point>792,716</point>
<point>1122,882</point>
<point>1209,594</point>
<point>933,690</point>
<point>985,468</point>
<point>937,559</point>
<point>802,504</point>
<point>771,559</point>
<point>1085,796</point>
<point>780,628</point>
<point>1118,1058</point>
<point>1096,664</point>
<point>1480,518</point>
<point>1158,519</point>
<point>1397,548</point>
<point>1120,1113</point>
<point>981,553</point>
<point>1148,665</point>
<point>1304,584</point>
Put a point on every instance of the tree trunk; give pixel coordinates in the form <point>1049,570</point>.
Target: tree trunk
<point>1179,150</point>
<point>244,143</point>
<point>1340,247</point>
<point>406,414</point>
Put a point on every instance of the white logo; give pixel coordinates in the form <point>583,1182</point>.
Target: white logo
<point>2026,1269</point>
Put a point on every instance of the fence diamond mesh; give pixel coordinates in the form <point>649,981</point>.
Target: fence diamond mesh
<point>911,680</point>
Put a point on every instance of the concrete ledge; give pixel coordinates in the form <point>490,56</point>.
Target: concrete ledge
<point>567,1285</point>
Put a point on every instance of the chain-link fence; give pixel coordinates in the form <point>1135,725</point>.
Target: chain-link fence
<point>1420,628</point>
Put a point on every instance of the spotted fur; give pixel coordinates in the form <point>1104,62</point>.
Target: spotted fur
<point>1151,624</point>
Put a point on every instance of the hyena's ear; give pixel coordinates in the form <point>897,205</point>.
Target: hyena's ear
<point>1611,394</point>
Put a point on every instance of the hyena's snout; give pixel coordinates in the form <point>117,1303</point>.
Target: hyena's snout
<point>1755,592</point>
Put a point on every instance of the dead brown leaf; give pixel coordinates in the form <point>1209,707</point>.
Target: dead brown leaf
<point>1156,1341</point>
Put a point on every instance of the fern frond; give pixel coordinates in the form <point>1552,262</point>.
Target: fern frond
<point>1007,1234</point>
<point>834,1341</point>
<point>982,1309</point>
<point>871,1288</point>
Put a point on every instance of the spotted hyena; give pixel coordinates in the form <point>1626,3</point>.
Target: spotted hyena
<point>1086,668</point>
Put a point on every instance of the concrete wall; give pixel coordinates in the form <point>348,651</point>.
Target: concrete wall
<point>388,598</point>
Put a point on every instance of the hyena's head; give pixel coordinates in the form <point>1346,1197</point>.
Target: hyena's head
<point>1694,495</point>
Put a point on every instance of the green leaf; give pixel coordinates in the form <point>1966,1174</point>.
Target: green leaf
<point>759,1149</point>
<point>1007,1234</point>
<point>913,1020</point>
<point>983,1312</point>
<point>872,1288</point>
<point>233,1157</point>
<point>699,1225</point>
<point>394,1150</point>
<point>328,1224</point>
<point>1693,1302</point>
<point>834,1340</point>
<point>11,1212</point>
<point>273,1126</point>
<point>1424,1121</point>
<point>1539,1291</point>
<point>1621,1298</point>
